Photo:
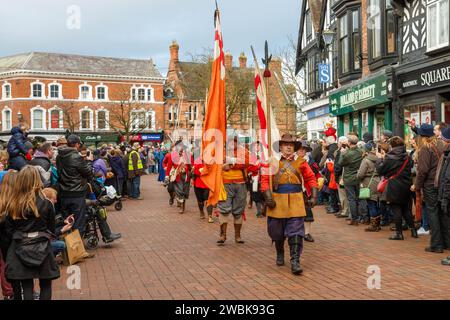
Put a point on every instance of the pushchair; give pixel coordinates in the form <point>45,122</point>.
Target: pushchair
<point>96,216</point>
<point>106,196</point>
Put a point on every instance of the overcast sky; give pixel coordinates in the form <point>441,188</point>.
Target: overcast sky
<point>144,28</point>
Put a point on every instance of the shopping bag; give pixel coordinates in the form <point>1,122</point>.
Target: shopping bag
<point>74,247</point>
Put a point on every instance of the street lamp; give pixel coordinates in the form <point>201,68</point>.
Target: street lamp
<point>20,116</point>
<point>328,36</point>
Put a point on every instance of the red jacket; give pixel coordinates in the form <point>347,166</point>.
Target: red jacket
<point>174,161</point>
<point>198,182</point>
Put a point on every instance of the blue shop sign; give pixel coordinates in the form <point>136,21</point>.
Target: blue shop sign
<point>151,137</point>
<point>318,112</point>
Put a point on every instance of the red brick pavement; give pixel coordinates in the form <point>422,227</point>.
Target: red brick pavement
<point>165,255</point>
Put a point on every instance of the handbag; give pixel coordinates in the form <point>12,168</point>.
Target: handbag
<point>32,248</point>
<point>364,193</point>
<point>384,181</point>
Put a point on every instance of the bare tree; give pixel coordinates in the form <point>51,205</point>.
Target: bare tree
<point>71,117</point>
<point>126,116</point>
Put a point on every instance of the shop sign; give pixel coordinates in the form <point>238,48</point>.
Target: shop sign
<point>425,78</point>
<point>366,94</point>
<point>99,138</point>
<point>324,73</point>
<point>318,112</point>
<point>151,137</point>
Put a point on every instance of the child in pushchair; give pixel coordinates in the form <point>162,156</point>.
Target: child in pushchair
<point>96,217</point>
<point>106,196</point>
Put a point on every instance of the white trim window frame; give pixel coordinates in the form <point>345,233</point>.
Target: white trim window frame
<point>60,118</point>
<point>137,121</point>
<point>59,85</point>
<point>35,83</point>
<point>89,93</point>
<point>6,94</point>
<point>91,119</point>
<point>106,119</point>
<point>150,94</point>
<point>170,117</point>
<point>6,119</point>
<point>151,124</point>
<point>438,34</point>
<point>105,92</point>
<point>43,119</point>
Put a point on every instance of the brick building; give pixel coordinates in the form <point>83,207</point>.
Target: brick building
<point>96,97</point>
<point>186,91</point>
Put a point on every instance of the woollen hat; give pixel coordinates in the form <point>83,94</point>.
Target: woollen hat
<point>425,130</point>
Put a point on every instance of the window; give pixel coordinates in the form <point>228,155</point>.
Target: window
<point>85,92</point>
<point>6,119</point>
<point>101,93</point>
<point>85,119</point>
<point>37,90</point>
<point>170,113</point>
<point>6,91</point>
<point>151,118</point>
<point>149,94</point>
<point>54,91</point>
<point>138,120</point>
<point>344,44</point>
<point>350,41</point>
<point>55,119</point>
<point>311,74</point>
<point>37,118</point>
<point>381,29</point>
<point>141,94</point>
<point>101,120</point>
<point>308,26</point>
<point>195,112</point>
<point>133,94</point>
<point>437,24</point>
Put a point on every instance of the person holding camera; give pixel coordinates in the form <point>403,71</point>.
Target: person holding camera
<point>73,175</point>
<point>350,161</point>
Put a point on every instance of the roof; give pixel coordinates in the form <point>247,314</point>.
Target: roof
<point>79,64</point>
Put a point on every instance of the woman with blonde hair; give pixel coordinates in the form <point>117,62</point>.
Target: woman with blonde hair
<point>429,154</point>
<point>5,192</point>
<point>30,221</point>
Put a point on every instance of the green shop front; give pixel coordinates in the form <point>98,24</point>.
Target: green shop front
<point>97,139</point>
<point>363,106</point>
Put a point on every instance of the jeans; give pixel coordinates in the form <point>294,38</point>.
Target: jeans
<point>135,187</point>
<point>425,223</point>
<point>119,186</point>
<point>58,246</point>
<point>334,200</point>
<point>77,207</point>
<point>353,201</point>
<point>373,208</point>
<point>151,169</point>
<point>439,222</point>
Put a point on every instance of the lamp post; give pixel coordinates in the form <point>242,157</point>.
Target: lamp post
<point>20,116</point>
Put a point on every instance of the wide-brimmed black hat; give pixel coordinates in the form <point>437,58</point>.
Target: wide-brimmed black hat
<point>287,138</point>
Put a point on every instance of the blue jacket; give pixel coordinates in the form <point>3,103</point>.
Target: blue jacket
<point>117,166</point>
<point>16,149</point>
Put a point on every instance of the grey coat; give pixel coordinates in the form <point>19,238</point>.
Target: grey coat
<point>365,172</point>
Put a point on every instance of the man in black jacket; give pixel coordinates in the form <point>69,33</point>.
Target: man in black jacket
<point>442,181</point>
<point>73,175</point>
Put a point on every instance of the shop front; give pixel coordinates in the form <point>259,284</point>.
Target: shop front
<point>318,116</point>
<point>363,107</point>
<point>147,138</point>
<point>424,93</point>
<point>97,139</point>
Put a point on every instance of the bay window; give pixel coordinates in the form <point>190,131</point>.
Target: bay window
<point>437,24</point>
<point>349,32</point>
<point>381,33</point>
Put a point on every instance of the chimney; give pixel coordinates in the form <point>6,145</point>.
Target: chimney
<point>174,47</point>
<point>242,61</point>
<point>228,60</point>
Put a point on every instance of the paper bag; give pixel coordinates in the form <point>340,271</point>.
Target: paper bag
<point>74,247</point>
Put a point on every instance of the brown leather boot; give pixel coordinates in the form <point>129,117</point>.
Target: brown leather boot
<point>237,233</point>
<point>182,206</point>
<point>374,225</point>
<point>223,233</point>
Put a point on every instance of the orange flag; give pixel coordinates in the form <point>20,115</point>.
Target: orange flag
<point>214,128</point>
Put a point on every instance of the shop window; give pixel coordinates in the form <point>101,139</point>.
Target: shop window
<point>437,24</point>
<point>419,114</point>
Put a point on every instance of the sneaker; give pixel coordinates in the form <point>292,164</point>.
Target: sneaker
<point>422,231</point>
<point>210,219</point>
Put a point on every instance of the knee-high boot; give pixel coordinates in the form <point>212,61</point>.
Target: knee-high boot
<point>223,233</point>
<point>279,246</point>
<point>237,233</point>
<point>294,246</point>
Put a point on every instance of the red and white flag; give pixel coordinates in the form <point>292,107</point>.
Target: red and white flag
<point>261,92</point>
